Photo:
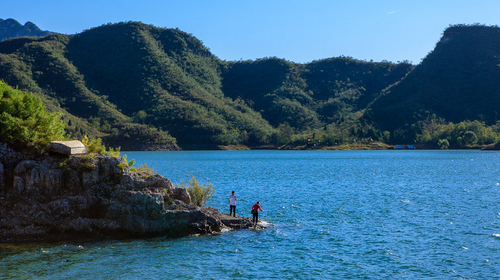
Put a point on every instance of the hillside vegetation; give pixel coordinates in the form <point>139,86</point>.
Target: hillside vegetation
<point>143,87</point>
<point>458,81</point>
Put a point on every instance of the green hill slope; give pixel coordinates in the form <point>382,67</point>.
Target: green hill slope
<point>459,80</point>
<point>310,95</point>
<point>165,78</point>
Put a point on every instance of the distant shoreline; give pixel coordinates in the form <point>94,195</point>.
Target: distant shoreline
<point>345,147</point>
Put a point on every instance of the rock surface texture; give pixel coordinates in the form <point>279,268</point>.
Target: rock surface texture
<point>54,198</point>
<point>73,147</point>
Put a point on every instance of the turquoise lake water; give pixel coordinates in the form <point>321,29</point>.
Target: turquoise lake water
<point>336,215</point>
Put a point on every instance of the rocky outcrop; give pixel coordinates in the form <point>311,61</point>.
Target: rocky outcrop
<point>56,198</point>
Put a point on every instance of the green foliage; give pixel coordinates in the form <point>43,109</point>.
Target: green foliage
<point>313,95</point>
<point>144,170</point>
<point>466,133</point>
<point>457,81</point>
<point>282,135</point>
<point>139,86</point>
<point>199,193</point>
<point>352,82</point>
<point>443,144</point>
<point>140,117</point>
<point>188,103</point>
<point>469,138</point>
<point>25,121</point>
<point>135,136</point>
<point>126,164</point>
<point>112,152</point>
<point>186,88</point>
<point>122,166</point>
<point>94,145</point>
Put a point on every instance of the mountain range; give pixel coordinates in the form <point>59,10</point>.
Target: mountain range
<point>142,87</point>
<point>11,28</point>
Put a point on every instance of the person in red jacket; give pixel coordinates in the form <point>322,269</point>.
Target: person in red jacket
<point>255,211</point>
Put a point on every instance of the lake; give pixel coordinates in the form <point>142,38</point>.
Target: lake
<point>336,215</point>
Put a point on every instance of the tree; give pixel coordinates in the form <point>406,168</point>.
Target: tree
<point>140,116</point>
<point>469,138</point>
<point>24,120</point>
<point>443,144</point>
<point>282,135</point>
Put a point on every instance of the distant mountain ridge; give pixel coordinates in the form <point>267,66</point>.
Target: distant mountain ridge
<point>11,28</point>
<point>140,86</point>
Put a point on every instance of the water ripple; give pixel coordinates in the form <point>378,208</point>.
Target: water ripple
<point>337,215</point>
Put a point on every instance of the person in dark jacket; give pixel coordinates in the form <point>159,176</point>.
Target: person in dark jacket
<point>255,212</point>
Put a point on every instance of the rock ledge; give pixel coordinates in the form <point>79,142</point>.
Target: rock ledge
<point>53,198</point>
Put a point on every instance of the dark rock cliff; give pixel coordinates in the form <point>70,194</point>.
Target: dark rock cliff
<point>54,198</point>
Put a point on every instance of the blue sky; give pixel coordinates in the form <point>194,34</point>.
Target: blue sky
<point>299,31</point>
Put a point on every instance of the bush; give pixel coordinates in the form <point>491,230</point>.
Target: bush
<point>199,193</point>
<point>114,153</point>
<point>144,170</point>
<point>94,146</point>
<point>126,164</point>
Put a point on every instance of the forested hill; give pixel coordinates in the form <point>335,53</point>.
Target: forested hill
<point>313,95</point>
<point>459,80</point>
<point>11,28</point>
<point>139,86</point>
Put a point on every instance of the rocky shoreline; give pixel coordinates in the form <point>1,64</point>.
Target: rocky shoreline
<point>54,198</point>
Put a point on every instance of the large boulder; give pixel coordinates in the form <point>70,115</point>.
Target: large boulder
<point>182,195</point>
